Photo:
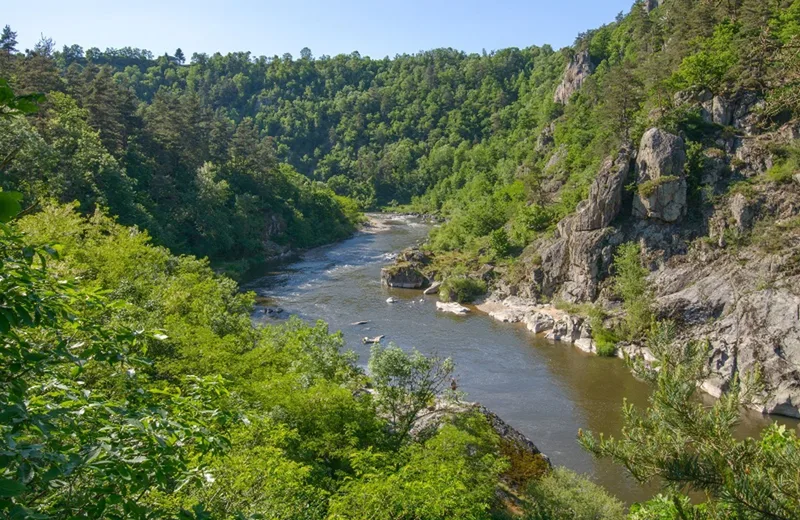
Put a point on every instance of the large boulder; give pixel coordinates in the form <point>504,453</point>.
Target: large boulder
<point>659,173</point>
<point>579,68</point>
<point>605,194</point>
<point>403,275</point>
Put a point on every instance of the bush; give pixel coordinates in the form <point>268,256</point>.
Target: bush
<point>632,285</point>
<point>499,243</point>
<point>565,494</point>
<point>786,168</point>
<point>461,289</point>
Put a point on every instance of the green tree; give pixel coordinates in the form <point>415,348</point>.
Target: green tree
<point>405,385</point>
<point>691,447</point>
<point>630,282</point>
<point>8,41</point>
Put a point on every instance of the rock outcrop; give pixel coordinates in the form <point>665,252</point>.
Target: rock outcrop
<point>444,411</point>
<point>582,251</point>
<point>659,173</point>
<point>605,195</point>
<point>407,272</point>
<point>579,68</point>
<point>403,276</point>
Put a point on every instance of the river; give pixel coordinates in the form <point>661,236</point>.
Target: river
<point>546,390</point>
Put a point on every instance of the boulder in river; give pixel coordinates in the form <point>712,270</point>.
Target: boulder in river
<point>452,307</point>
<point>403,275</point>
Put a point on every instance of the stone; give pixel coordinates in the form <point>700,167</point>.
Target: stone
<point>578,70</point>
<point>403,276</point>
<point>721,111</point>
<point>605,194</point>
<point>539,322</point>
<point>661,154</point>
<point>567,329</point>
<point>743,212</point>
<point>666,201</point>
<point>433,289</point>
<point>392,300</point>
<point>443,410</point>
<point>587,345</point>
<point>545,138</point>
<point>659,173</point>
<point>452,307</point>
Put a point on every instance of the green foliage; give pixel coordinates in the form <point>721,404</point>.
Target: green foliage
<point>786,167</point>
<point>648,188</point>
<point>84,430</point>
<point>565,494</point>
<point>690,446</point>
<point>630,282</point>
<point>461,289</point>
<point>500,243</point>
<point>405,385</point>
<point>710,64</point>
<point>451,475</point>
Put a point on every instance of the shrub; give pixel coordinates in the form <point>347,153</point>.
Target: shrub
<point>631,284</point>
<point>565,494</point>
<point>525,467</point>
<point>499,243</point>
<point>462,289</point>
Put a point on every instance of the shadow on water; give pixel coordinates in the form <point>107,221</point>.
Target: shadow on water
<point>546,390</point>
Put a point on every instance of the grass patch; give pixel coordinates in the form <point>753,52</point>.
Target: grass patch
<point>648,188</point>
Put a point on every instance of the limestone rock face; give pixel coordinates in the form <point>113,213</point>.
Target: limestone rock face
<point>743,212</point>
<point>659,172</point>
<point>441,412</point>
<point>605,194</point>
<point>579,68</point>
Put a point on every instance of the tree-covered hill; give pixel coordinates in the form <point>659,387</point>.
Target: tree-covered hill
<point>133,384</point>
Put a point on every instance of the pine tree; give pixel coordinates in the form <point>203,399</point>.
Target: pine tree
<point>179,57</point>
<point>8,41</point>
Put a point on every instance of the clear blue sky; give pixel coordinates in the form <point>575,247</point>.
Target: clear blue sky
<point>374,28</point>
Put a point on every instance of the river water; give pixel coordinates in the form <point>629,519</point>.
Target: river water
<point>546,390</point>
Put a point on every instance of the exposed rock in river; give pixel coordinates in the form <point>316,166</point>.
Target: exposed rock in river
<point>406,273</point>
<point>453,308</point>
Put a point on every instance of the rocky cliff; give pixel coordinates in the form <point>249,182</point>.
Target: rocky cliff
<point>725,265</point>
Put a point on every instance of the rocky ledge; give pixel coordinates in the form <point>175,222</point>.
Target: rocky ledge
<point>444,410</point>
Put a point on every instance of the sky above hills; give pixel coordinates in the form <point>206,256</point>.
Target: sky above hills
<point>374,28</point>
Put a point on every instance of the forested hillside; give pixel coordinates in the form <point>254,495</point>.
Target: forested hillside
<point>620,179</point>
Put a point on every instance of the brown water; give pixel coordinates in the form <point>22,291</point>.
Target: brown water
<point>546,390</point>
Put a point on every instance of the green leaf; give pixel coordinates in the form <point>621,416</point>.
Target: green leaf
<point>11,488</point>
<point>9,205</point>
